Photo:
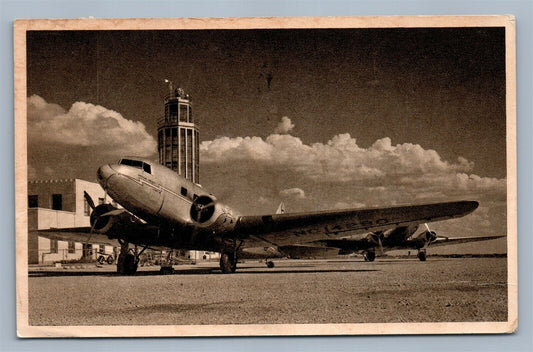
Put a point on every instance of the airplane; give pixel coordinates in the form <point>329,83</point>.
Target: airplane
<point>406,237</point>
<point>163,209</point>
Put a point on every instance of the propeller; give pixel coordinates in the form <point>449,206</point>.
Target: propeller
<point>376,237</point>
<point>431,236</point>
<point>89,200</point>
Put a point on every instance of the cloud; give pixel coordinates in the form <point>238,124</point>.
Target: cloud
<point>297,193</point>
<point>341,174</point>
<point>284,126</point>
<point>87,125</point>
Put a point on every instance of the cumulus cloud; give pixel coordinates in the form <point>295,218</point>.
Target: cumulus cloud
<point>297,193</point>
<point>87,125</point>
<point>284,126</point>
<point>341,174</point>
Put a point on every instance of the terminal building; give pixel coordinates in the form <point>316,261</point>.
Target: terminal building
<point>60,204</point>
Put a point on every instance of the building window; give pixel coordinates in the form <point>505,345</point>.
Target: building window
<point>71,247</point>
<point>183,113</point>
<point>86,208</point>
<point>57,202</point>
<point>53,246</point>
<point>33,201</point>
<point>184,191</point>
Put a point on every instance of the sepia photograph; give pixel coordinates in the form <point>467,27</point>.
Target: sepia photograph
<point>265,176</point>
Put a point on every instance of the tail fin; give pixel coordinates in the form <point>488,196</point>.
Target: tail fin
<point>281,208</point>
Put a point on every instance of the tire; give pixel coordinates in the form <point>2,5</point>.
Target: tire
<point>270,264</point>
<point>101,260</point>
<point>129,265</point>
<point>421,256</point>
<point>370,256</point>
<point>110,260</point>
<point>227,263</point>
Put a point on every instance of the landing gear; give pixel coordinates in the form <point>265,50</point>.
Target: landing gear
<point>421,255</point>
<point>228,264</point>
<point>270,264</point>
<point>129,265</point>
<point>369,256</point>
<point>128,259</point>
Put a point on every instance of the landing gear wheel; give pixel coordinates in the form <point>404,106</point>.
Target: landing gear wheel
<point>227,263</point>
<point>110,260</point>
<point>270,264</point>
<point>101,260</point>
<point>129,267</point>
<point>370,256</point>
<point>422,256</point>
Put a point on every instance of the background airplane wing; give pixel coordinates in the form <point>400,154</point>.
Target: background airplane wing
<point>76,234</point>
<point>445,241</point>
<point>286,229</point>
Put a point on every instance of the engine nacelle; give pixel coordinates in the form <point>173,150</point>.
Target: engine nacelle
<point>430,236</point>
<point>202,209</point>
<point>99,223</point>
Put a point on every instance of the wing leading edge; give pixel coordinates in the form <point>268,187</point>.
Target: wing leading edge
<point>286,229</point>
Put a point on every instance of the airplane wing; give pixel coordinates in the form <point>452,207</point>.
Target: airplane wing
<point>76,234</point>
<point>445,241</point>
<point>289,229</point>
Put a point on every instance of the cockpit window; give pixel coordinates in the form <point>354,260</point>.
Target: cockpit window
<point>137,163</point>
<point>134,163</point>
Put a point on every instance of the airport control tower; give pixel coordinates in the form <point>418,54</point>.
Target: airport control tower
<point>178,136</point>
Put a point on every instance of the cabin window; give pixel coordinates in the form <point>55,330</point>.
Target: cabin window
<point>184,191</point>
<point>33,201</point>
<point>147,168</point>
<point>57,202</point>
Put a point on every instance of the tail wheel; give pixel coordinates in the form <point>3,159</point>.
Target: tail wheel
<point>227,263</point>
<point>270,264</point>
<point>370,256</point>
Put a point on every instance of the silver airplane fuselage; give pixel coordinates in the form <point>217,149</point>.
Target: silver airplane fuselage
<point>160,196</point>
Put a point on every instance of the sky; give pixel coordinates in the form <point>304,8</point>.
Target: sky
<point>319,119</point>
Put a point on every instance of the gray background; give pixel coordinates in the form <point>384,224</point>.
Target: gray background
<point>523,10</point>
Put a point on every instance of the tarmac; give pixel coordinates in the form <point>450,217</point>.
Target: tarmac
<point>294,291</point>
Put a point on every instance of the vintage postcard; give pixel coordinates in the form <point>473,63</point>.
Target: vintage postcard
<point>265,176</point>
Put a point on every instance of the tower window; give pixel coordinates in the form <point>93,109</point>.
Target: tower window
<point>183,113</point>
<point>184,191</point>
<point>33,201</point>
<point>57,202</point>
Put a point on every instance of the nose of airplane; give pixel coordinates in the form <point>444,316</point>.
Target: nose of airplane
<point>103,173</point>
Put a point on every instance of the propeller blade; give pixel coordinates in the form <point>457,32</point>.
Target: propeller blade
<point>89,200</point>
<point>113,212</point>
